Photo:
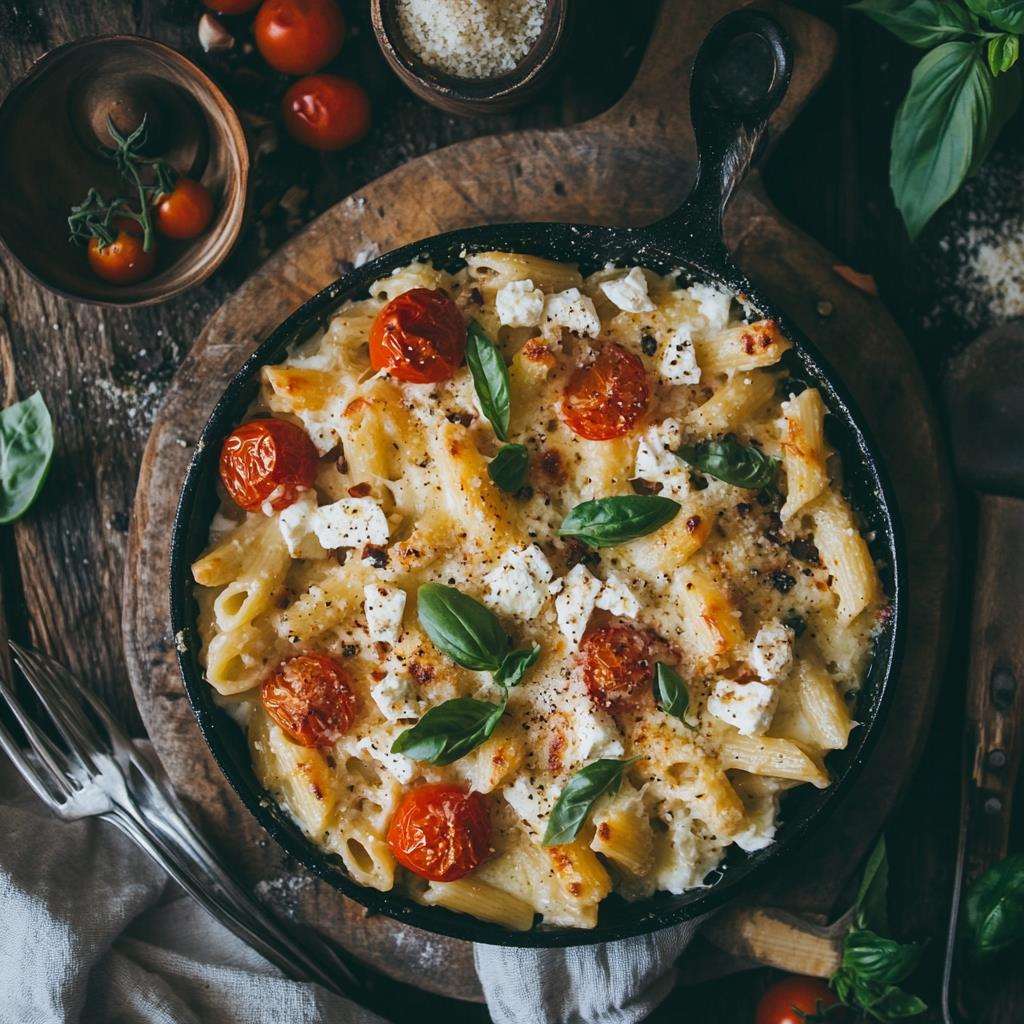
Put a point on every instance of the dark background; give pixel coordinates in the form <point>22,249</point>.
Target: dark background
<point>103,372</point>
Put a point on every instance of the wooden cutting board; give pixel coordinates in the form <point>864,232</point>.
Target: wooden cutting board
<point>628,166</point>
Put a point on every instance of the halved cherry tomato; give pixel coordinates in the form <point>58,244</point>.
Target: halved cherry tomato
<point>231,6</point>
<point>440,832</point>
<point>797,1000</point>
<point>299,37</point>
<point>617,661</point>
<point>310,697</point>
<point>123,261</point>
<point>326,112</point>
<point>185,211</point>
<point>419,337</point>
<point>607,397</point>
<point>267,461</point>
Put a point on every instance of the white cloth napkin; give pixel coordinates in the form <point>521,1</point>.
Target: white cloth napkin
<point>92,932</point>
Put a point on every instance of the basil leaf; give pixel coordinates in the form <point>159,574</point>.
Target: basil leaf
<point>923,23</point>
<point>450,730</point>
<point>513,668</point>
<point>872,957</point>
<point>508,468</point>
<point>995,908</point>
<point>607,521</point>
<point>742,465</point>
<point>871,906</point>
<point>462,628</point>
<point>578,797</point>
<point>887,1002</point>
<point>1003,52</point>
<point>671,693</point>
<point>490,378</point>
<point>26,449</point>
<point>945,127</point>
<point>1005,14</point>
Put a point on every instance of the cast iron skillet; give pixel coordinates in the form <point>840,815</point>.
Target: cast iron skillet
<point>739,77</point>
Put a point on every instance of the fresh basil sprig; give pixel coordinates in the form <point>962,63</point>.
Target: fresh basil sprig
<point>508,468</point>
<point>742,465</point>
<point>671,693</point>
<point>578,797</point>
<point>994,910</point>
<point>490,378</point>
<point>450,730</point>
<point>26,450</point>
<point>607,521</point>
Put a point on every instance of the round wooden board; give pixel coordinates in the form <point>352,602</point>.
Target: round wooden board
<point>628,166</point>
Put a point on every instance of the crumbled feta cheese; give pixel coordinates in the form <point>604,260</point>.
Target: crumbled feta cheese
<point>657,462</point>
<point>531,803</point>
<point>617,598</point>
<point>689,857</point>
<point>714,304</point>
<point>519,304</point>
<point>517,586</point>
<point>325,426</point>
<point>760,830</point>
<point>398,766</point>
<point>570,309</point>
<point>595,735</point>
<point>395,697</point>
<point>349,523</point>
<point>629,293</point>
<point>679,361</point>
<point>296,525</point>
<point>747,706</point>
<point>383,608</point>
<point>575,603</point>
<point>771,655</point>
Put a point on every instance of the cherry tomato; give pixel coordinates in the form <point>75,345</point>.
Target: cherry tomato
<point>419,337</point>
<point>310,697</point>
<point>795,1000</point>
<point>123,261</point>
<point>267,461</point>
<point>185,211</point>
<point>326,112</point>
<point>299,37</point>
<point>617,661</point>
<point>606,398</point>
<point>440,832</point>
<point>231,6</point>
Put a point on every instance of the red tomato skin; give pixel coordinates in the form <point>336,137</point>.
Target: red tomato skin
<point>185,211</point>
<point>440,832</point>
<point>617,660</point>
<point>794,997</point>
<point>264,456</point>
<point>310,697</point>
<point>299,37</point>
<point>606,398</point>
<point>326,112</point>
<point>231,6</point>
<point>419,337</point>
<point>124,261</point>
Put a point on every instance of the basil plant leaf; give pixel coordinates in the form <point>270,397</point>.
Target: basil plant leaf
<point>874,958</point>
<point>671,693</point>
<point>1003,52</point>
<point>994,915</point>
<point>886,1002</point>
<point>515,665</point>
<point>578,797</point>
<point>872,903</point>
<point>26,450</point>
<point>923,23</point>
<point>604,522</point>
<point>490,378</point>
<point>741,465</point>
<point>945,127</point>
<point>450,730</point>
<point>461,627</point>
<point>1005,14</point>
<point>508,468</point>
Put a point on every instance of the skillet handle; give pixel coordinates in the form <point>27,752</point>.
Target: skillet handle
<point>739,77</point>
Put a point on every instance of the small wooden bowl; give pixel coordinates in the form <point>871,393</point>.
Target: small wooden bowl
<point>472,95</point>
<point>51,155</point>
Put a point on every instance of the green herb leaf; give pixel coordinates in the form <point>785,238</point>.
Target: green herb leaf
<point>945,127</point>
<point>462,628</point>
<point>671,693</point>
<point>1003,52</point>
<point>607,521</point>
<point>26,449</point>
<point>871,906</point>
<point>513,668</point>
<point>508,468</point>
<point>490,378</point>
<point>874,958</point>
<point>741,465</point>
<point>1005,14</point>
<point>579,795</point>
<point>450,730</point>
<point>994,915</point>
<point>923,23</point>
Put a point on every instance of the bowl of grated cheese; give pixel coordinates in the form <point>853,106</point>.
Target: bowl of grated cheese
<point>471,56</point>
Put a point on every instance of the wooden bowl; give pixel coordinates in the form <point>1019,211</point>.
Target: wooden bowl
<point>51,155</point>
<point>472,95</point>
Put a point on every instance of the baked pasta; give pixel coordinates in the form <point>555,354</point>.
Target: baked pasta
<point>529,587</point>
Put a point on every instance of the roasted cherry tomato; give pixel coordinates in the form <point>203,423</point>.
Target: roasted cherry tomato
<point>617,661</point>
<point>440,832</point>
<point>419,337</point>
<point>123,261</point>
<point>310,697</point>
<point>326,111</point>
<point>231,6</point>
<point>267,461</point>
<point>185,211</point>
<point>299,37</point>
<point>607,397</point>
<point>796,1000</point>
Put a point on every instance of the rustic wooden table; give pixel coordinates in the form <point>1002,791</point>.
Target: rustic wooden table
<point>103,372</point>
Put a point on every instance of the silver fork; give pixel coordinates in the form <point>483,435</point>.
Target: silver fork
<point>102,773</point>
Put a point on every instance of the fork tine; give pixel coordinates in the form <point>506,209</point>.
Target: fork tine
<point>35,738</point>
